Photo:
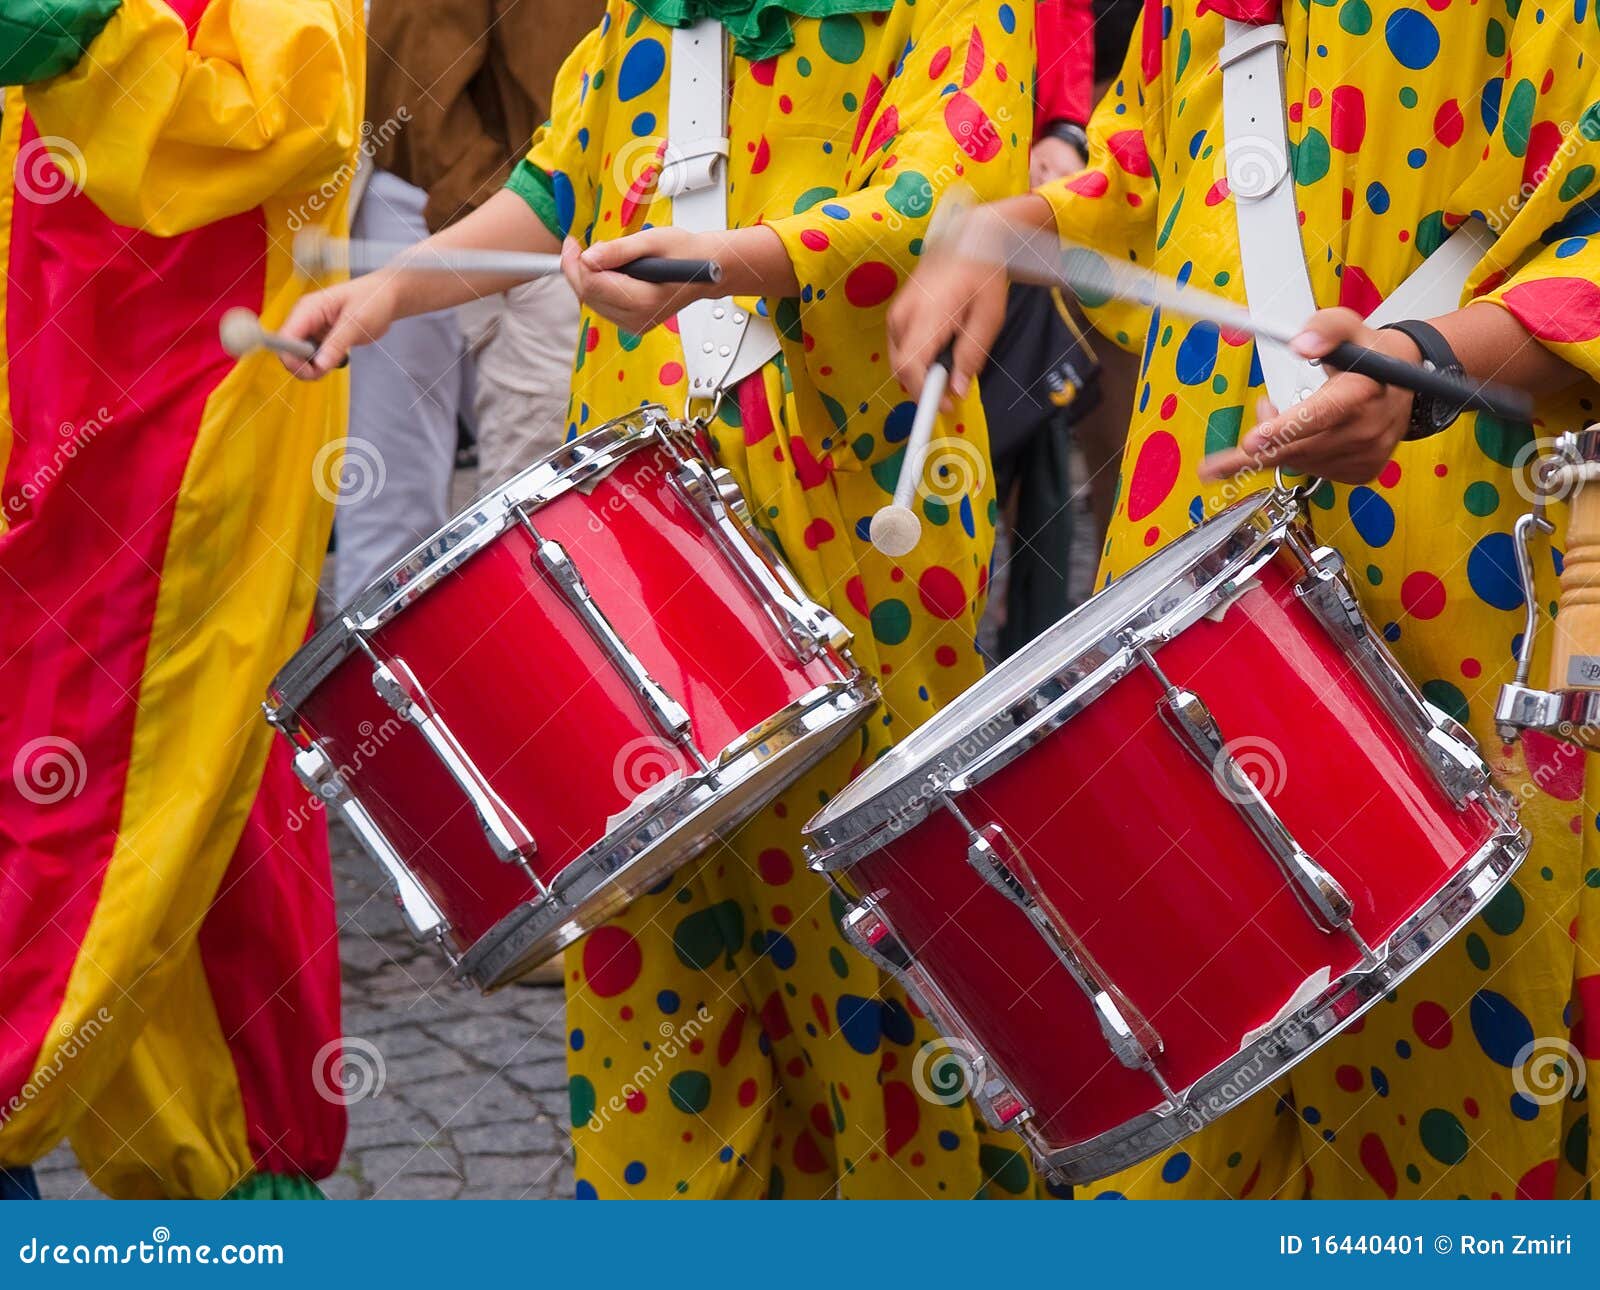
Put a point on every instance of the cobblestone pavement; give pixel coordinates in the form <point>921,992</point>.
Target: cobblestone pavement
<point>453,1095</point>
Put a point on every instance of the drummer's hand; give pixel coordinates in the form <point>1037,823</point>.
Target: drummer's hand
<point>1346,431</point>
<point>633,305</point>
<point>338,319</point>
<point>948,296</point>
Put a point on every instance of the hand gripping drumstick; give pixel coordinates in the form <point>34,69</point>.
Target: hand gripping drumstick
<point>1575,660</point>
<point>896,530</point>
<point>316,254</point>
<point>241,333</point>
<point>1042,258</point>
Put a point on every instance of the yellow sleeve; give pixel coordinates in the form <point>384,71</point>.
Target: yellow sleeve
<point>1111,205</point>
<point>174,134</point>
<point>558,178</point>
<point>958,111</point>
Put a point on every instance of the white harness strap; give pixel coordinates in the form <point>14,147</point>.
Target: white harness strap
<point>722,343</point>
<point>1277,282</point>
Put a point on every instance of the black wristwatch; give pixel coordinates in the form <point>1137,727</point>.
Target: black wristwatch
<point>1430,415</point>
<point>1070,132</point>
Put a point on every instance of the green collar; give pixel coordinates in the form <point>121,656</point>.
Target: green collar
<point>760,28</point>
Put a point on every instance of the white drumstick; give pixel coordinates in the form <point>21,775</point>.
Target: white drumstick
<point>316,254</point>
<point>896,530</point>
<point>241,333</point>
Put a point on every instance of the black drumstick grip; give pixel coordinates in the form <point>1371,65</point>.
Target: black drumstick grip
<point>1470,393</point>
<point>946,358</point>
<point>653,268</point>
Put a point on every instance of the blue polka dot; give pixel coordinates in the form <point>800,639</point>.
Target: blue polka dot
<point>1176,1167</point>
<point>1372,516</point>
<point>1416,159</point>
<point>633,1175</point>
<point>776,945</point>
<point>834,211</point>
<point>1571,247</point>
<point>1492,572</point>
<point>898,1028</point>
<point>860,1022</point>
<point>725,1155</point>
<point>897,425</point>
<point>668,1001</point>
<point>1377,198</point>
<point>1197,355</point>
<point>1500,1028</point>
<point>1412,37</point>
<point>1380,1082</point>
<point>642,67</point>
<point>577,1041</point>
<point>949,1141</point>
<point>585,1190</point>
<point>1402,1049</point>
<point>566,200</point>
<point>1008,19</point>
<point>1524,1108</point>
<point>644,123</point>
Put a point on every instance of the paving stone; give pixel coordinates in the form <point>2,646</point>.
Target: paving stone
<point>525,1138</point>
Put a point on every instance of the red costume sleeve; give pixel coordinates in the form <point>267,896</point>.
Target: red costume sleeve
<point>1064,89</point>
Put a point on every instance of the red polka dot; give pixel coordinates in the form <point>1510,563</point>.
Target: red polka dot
<point>1422,594</point>
<point>671,373</point>
<point>1471,668</point>
<point>1539,1183</point>
<point>1555,766</point>
<point>946,656</point>
<point>902,1114</point>
<point>763,157</point>
<point>808,1158</point>
<point>747,1092</point>
<point>1152,535</point>
<point>1348,1078</point>
<point>1347,122</point>
<point>1088,183</point>
<point>818,532</point>
<point>942,594</point>
<point>855,591</point>
<point>1432,1024</point>
<point>1449,123</point>
<point>611,961</point>
<point>636,1101</point>
<point>775,867</point>
<point>870,284</point>
<point>814,239</point>
<point>1154,474</point>
<point>1563,310</point>
<point>1389,476</point>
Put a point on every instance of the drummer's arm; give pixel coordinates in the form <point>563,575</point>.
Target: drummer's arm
<point>503,223</point>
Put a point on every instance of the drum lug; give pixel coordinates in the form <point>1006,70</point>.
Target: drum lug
<point>1130,1036</point>
<point>400,689</point>
<point>667,713</point>
<point>869,934</point>
<point>809,629</point>
<point>1328,596</point>
<point>1186,715</point>
<point>315,769</point>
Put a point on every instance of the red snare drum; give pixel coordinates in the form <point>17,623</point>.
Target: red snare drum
<point>567,694</point>
<point>1177,843</point>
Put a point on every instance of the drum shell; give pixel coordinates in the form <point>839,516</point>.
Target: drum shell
<point>534,698</point>
<point>1173,896</point>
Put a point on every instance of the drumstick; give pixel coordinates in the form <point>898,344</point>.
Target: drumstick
<point>1042,258</point>
<point>241,333</point>
<point>1575,660</point>
<point>895,530</point>
<point>316,254</point>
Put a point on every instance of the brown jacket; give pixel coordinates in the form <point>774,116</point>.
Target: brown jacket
<point>456,88</point>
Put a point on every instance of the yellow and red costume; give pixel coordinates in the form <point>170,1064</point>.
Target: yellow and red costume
<point>168,963</point>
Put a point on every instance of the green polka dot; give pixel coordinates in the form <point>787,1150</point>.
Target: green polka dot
<point>580,1093</point>
<point>1375,575</point>
<point>1323,498</point>
<point>1006,1169</point>
<point>862,446</point>
<point>1504,914</point>
<point>811,197</point>
<point>1443,1138</point>
<point>1184,53</point>
<point>1408,97</point>
<point>1219,384</point>
<point>690,1091</point>
<point>1592,878</point>
<point>1495,39</point>
<point>842,37</point>
<point>1518,123</point>
<point>1222,429</point>
<point>1477,951</point>
<point>1547,873</point>
<point>1481,498</point>
<point>1432,233</point>
<point>1413,1173</point>
<point>1502,441</point>
<point>935,512</point>
<point>803,66</point>
<point>911,195</point>
<point>1234,1159</point>
<point>1355,17</point>
<point>1577,182</point>
<point>1447,698</point>
<point>1576,1148</point>
<point>703,937</point>
<point>891,622</point>
<point>836,961</point>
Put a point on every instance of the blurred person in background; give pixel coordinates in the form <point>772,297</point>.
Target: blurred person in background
<point>455,88</point>
<point>169,972</point>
